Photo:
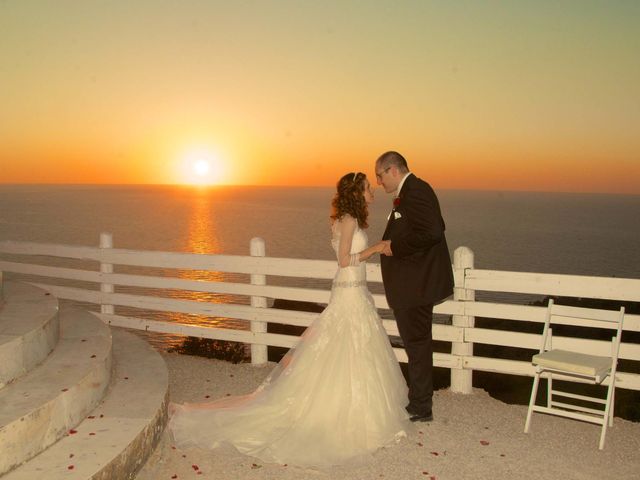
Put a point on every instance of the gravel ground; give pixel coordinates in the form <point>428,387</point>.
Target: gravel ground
<point>472,437</point>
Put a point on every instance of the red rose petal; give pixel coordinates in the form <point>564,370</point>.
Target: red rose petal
<point>173,447</point>
<point>207,396</point>
<point>228,394</point>
<point>174,476</point>
<point>484,442</point>
<point>71,467</point>
<point>231,375</point>
<point>91,417</point>
<point>184,456</point>
<point>101,415</point>
<point>71,455</point>
<point>64,390</point>
<point>93,356</point>
<point>195,467</point>
<point>435,454</point>
<point>126,378</point>
<point>72,431</point>
<point>92,433</point>
<point>419,444</point>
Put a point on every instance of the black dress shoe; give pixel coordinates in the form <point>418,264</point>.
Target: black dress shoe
<point>422,417</point>
<point>411,410</point>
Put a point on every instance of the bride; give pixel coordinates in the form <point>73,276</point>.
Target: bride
<point>336,397</point>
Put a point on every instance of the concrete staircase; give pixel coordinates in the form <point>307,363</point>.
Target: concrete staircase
<point>77,399</point>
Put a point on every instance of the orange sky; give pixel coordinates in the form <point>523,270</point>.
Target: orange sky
<point>491,95</point>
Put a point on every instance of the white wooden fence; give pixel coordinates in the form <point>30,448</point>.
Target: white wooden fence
<point>30,258</point>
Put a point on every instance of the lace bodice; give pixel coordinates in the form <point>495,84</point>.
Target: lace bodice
<point>359,242</point>
<point>352,275</point>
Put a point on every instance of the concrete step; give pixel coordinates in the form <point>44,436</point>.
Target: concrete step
<point>29,329</point>
<point>114,441</point>
<point>42,406</point>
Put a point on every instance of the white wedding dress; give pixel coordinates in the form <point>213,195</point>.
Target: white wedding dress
<point>335,398</point>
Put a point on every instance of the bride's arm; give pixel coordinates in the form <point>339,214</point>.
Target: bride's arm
<point>347,227</point>
<point>372,250</point>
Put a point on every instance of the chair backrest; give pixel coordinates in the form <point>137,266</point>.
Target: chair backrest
<point>583,317</point>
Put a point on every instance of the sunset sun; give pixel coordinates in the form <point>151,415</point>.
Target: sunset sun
<point>202,167</point>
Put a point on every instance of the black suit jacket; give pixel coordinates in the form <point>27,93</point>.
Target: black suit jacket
<point>419,272</point>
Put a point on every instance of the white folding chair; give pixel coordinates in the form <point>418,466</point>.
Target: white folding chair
<point>554,362</point>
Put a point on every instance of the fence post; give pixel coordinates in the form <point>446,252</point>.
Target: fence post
<point>106,241</point>
<point>461,379</point>
<point>258,352</point>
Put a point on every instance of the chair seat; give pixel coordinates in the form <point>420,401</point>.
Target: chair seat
<point>579,363</point>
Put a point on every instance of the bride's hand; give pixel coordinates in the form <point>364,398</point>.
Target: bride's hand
<point>386,248</point>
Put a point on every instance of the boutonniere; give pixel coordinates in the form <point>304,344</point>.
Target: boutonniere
<point>396,202</point>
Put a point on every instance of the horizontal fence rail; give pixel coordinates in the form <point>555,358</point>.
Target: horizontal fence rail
<point>97,283</point>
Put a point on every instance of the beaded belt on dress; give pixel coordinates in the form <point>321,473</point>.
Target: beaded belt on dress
<point>349,284</point>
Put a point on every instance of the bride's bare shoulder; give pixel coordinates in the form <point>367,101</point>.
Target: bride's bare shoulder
<point>343,223</point>
<point>346,219</point>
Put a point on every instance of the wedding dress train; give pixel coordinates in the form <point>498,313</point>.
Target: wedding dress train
<point>336,397</point>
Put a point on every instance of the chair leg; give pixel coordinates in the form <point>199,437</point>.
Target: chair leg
<point>549,389</point>
<point>608,411</point>
<point>532,401</point>
<point>602,434</point>
<point>612,404</point>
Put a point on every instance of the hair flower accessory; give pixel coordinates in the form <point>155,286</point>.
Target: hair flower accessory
<point>396,202</point>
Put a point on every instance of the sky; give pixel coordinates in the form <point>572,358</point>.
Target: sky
<point>498,95</point>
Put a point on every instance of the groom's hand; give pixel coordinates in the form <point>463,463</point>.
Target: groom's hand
<point>387,248</point>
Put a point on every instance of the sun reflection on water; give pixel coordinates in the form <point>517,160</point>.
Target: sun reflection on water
<point>203,238</point>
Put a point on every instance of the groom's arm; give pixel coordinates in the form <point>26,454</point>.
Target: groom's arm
<point>420,207</point>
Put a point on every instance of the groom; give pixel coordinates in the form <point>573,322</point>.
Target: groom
<point>416,271</point>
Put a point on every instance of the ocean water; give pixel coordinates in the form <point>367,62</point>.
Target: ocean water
<point>582,234</point>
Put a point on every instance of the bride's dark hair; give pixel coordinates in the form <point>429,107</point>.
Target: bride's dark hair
<point>349,198</point>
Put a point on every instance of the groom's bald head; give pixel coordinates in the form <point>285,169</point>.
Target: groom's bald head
<point>391,168</point>
<point>391,158</point>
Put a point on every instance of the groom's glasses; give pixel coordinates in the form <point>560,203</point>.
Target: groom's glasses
<point>379,174</point>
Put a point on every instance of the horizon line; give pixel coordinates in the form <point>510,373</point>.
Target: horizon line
<point>229,185</point>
